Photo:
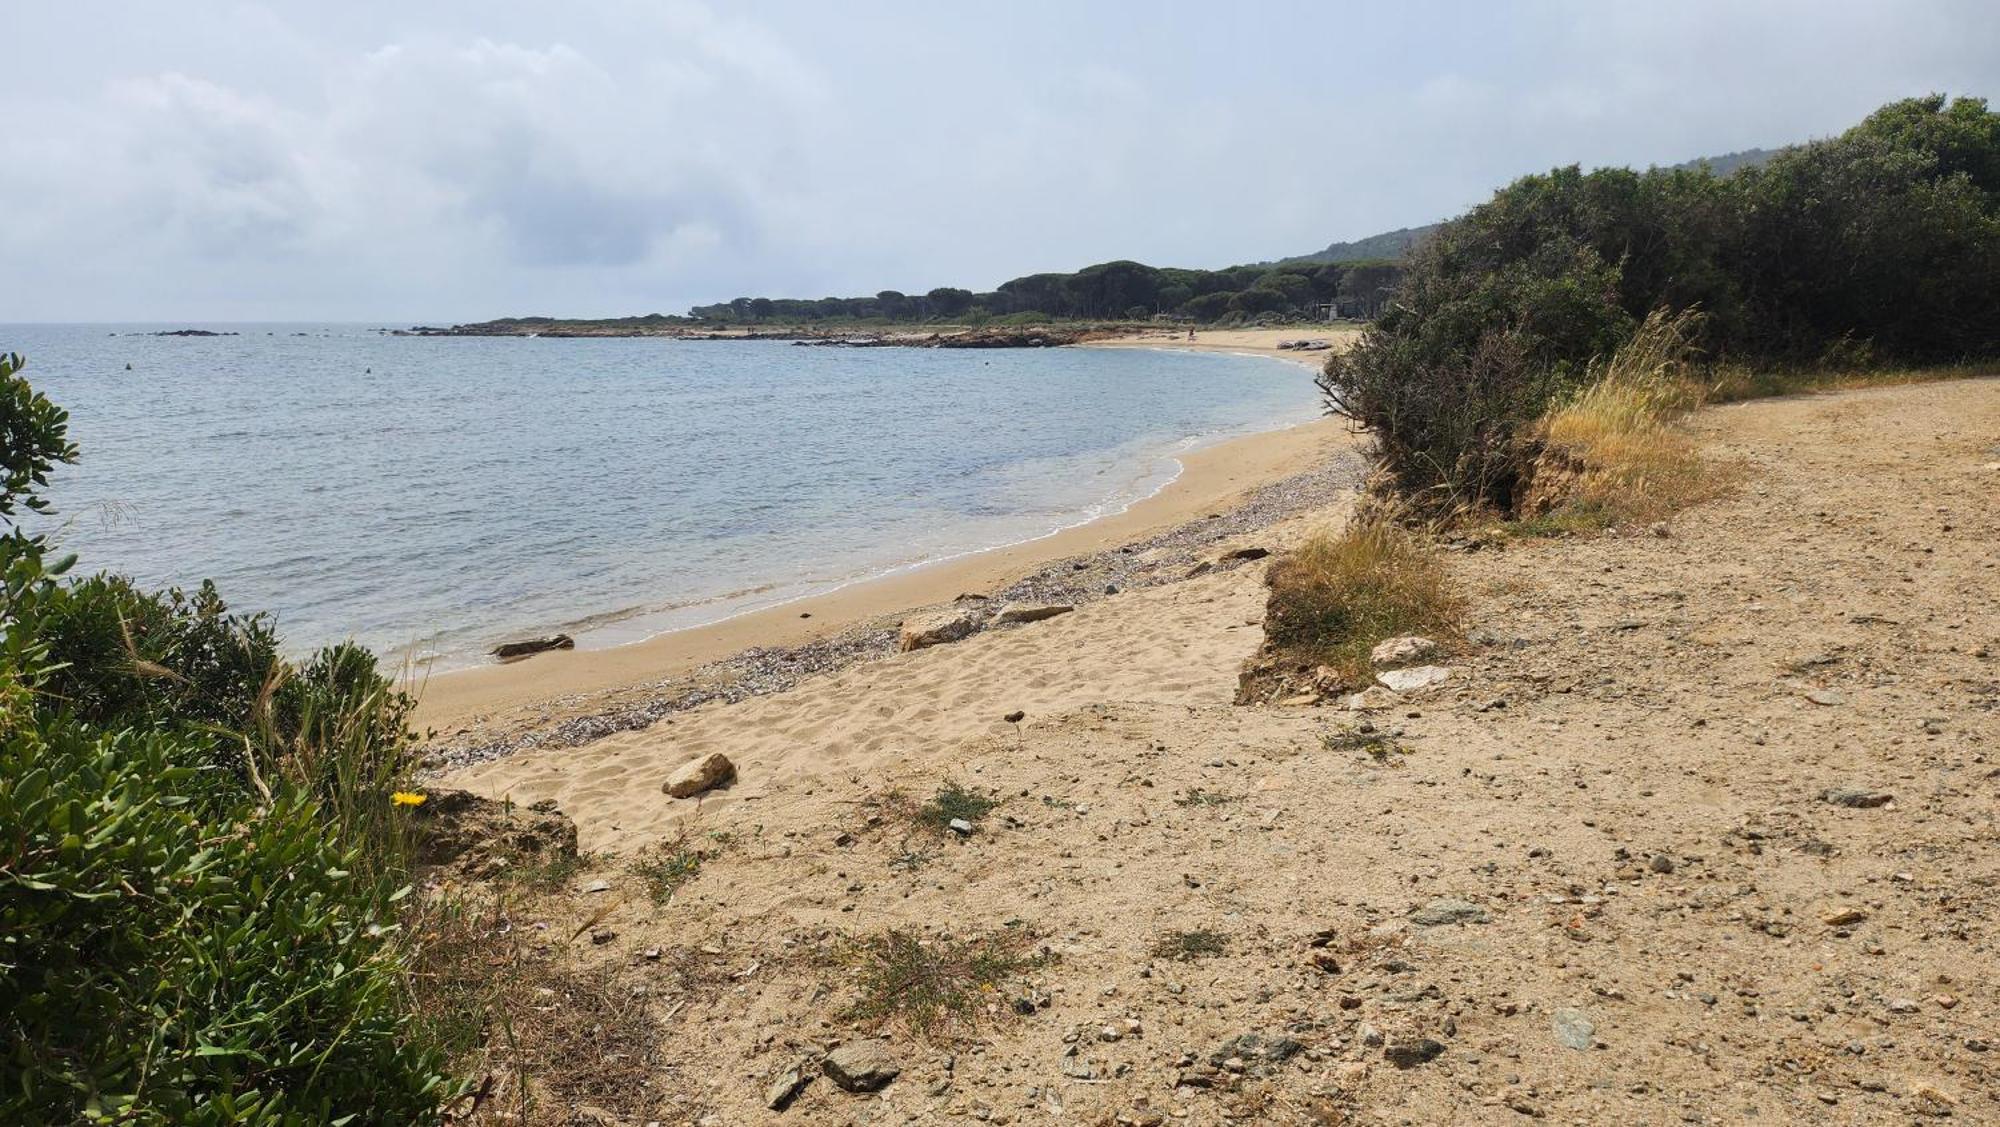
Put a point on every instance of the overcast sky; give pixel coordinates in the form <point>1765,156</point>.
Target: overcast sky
<point>400,161</point>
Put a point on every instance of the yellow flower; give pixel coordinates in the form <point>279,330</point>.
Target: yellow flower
<point>408,798</point>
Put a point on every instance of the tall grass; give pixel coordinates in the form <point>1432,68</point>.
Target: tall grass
<point>1612,451</point>
<point>1335,597</point>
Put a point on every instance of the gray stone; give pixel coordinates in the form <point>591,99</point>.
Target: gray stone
<point>960,826</point>
<point>1856,798</point>
<point>862,1066</point>
<point>1574,1029</point>
<point>1447,910</point>
<point>707,773</point>
<point>785,1087</point>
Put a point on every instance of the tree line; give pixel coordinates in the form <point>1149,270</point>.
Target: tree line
<point>1121,290</point>
<point>1880,246</point>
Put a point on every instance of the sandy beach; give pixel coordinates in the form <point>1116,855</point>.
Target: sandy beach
<point>546,688</point>
<point>1701,819</point>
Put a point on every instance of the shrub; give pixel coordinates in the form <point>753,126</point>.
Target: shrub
<point>926,985</point>
<point>200,863</point>
<point>1878,247</point>
<point>1336,597</point>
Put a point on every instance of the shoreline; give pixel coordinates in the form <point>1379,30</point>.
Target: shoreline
<point>540,688</point>
<point>544,689</point>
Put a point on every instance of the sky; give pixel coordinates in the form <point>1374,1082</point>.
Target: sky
<point>404,162</point>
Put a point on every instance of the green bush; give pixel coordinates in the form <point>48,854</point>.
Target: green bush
<point>200,861</point>
<point>1883,243</point>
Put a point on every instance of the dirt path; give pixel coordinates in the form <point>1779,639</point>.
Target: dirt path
<point>1623,798</point>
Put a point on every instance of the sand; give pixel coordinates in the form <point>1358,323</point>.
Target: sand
<point>1626,779</point>
<point>552,685</point>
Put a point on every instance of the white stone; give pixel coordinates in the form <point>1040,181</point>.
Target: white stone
<point>1414,678</point>
<point>1392,652</point>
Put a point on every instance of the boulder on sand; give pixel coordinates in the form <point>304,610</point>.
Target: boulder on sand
<point>510,651</point>
<point>707,773</point>
<point>937,628</point>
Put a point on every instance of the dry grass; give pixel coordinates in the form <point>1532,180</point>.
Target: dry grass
<point>926,986</point>
<point>1336,597</point>
<point>1614,453</point>
<point>541,1034</point>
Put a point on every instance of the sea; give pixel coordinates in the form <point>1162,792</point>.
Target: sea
<point>430,497</point>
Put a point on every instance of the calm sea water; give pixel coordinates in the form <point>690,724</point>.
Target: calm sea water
<point>431,496</point>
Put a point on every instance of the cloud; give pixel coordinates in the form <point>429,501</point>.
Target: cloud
<point>469,158</point>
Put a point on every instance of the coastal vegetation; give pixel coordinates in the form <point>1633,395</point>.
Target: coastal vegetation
<point>1871,250</point>
<point>203,850</point>
<point>1122,290</point>
<point>1338,595</point>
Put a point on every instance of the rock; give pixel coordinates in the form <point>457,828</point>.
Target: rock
<point>1368,1035</point>
<point>1413,678</point>
<point>1844,918</point>
<point>1015,717</point>
<point>862,1066</point>
<point>1030,612</point>
<point>1255,1053</point>
<point>1394,652</point>
<point>1202,568</point>
<point>1372,699</point>
<point>1574,1028</point>
<point>480,837</point>
<point>1661,863</point>
<point>1414,1053</point>
<point>1447,910</point>
<point>960,826</point>
<point>599,936</point>
<point>785,1087</point>
<point>707,773</point>
<point>1856,798</point>
<point>513,651</point>
<point>1246,554</point>
<point>937,628</point>
<point>1826,696</point>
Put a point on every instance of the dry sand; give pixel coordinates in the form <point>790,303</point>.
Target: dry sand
<point>549,686</point>
<point>1664,919</point>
